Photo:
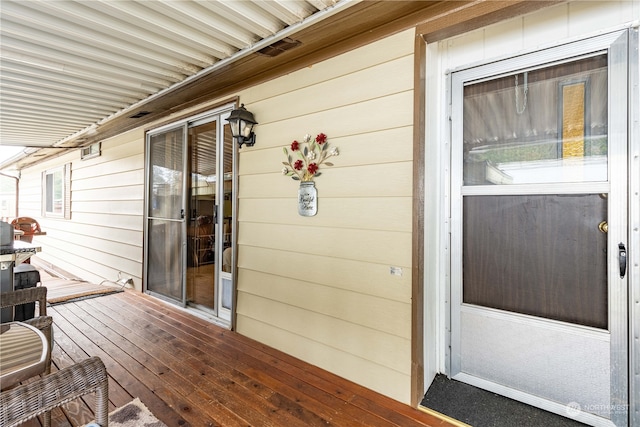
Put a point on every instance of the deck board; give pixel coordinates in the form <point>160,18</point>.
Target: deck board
<point>188,371</point>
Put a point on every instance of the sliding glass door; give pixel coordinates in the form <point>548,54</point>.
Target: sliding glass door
<point>193,263</point>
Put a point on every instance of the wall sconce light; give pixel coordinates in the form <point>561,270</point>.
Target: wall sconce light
<point>242,122</point>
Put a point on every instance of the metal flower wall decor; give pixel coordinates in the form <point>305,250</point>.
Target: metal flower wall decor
<point>311,154</point>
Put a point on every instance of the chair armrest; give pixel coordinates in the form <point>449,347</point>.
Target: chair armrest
<point>40,322</point>
<point>23,296</point>
<point>51,391</point>
<point>44,324</point>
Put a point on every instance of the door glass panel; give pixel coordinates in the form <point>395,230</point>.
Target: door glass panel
<point>201,230</point>
<point>538,126</point>
<point>528,254</point>
<point>226,207</point>
<point>542,255</point>
<point>165,212</point>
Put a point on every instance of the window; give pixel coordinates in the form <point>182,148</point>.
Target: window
<point>56,187</point>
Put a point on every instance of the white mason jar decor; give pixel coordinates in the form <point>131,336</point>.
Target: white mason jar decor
<point>307,199</point>
<point>311,153</point>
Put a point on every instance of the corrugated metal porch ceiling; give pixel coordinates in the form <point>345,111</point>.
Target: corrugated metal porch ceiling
<point>67,65</point>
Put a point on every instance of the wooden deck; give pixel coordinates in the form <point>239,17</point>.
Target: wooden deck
<point>188,371</point>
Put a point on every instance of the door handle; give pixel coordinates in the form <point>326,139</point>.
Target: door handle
<point>622,259</point>
<point>603,227</point>
<point>182,213</point>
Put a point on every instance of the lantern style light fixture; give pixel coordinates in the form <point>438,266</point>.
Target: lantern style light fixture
<point>242,122</point>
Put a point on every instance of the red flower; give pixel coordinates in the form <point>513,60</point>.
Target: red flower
<point>312,168</point>
<point>295,146</point>
<point>321,139</point>
<point>298,165</point>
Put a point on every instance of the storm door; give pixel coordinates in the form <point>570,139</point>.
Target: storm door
<point>165,214</point>
<point>538,298</point>
<point>190,214</point>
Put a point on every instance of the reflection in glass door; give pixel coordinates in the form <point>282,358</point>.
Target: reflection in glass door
<point>194,262</point>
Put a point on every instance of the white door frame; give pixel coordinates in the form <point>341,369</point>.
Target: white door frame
<point>633,256</point>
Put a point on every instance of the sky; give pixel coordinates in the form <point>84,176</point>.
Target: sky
<point>8,151</point>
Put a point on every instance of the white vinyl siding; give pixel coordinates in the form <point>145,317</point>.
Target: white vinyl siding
<point>550,26</point>
<point>320,287</point>
<point>104,236</point>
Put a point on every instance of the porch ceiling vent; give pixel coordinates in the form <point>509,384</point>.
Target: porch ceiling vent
<point>140,114</point>
<point>281,46</point>
<point>90,151</point>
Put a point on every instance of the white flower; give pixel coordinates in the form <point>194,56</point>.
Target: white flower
<point>285,171</point>
<point>311,156</point>
<point>307,138</point>
<point>334,151</point>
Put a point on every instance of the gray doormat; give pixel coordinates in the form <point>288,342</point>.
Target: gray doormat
<point>481,408</point>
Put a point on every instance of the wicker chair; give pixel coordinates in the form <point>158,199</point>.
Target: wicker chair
<point>42,321</point>
<point>26,401</point>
